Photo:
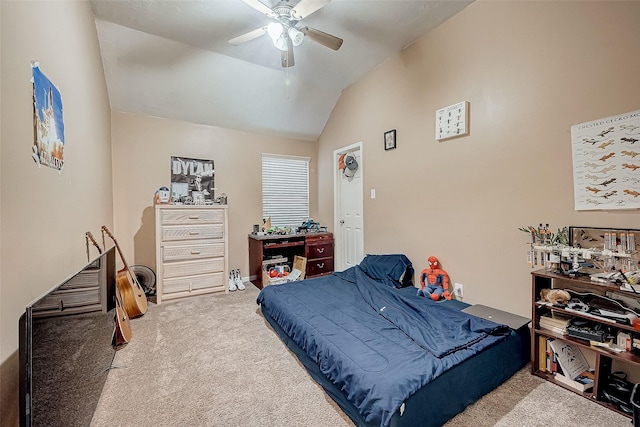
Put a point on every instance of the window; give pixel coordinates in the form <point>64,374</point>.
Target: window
<point>285,190</point>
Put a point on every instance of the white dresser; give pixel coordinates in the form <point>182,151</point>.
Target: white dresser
<point>191,250</point>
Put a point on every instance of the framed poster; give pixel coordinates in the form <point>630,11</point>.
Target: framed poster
<point>452,121</point>
<point>390,140</point>
<point>192,181</point>
<point>606,163</point>
<point>48,148</point>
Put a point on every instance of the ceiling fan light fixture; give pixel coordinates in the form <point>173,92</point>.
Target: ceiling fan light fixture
<point>275,29</point>
<point>283,42</point>
<point>278,34</point>
<point>296,36</point>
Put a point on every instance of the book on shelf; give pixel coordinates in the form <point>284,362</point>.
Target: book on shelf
<point>554,329</point>
<point>570,358</point>
<point>542,353</point>
<point>582,382</point>
<point>556,323</point>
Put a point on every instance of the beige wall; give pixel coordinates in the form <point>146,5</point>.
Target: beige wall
<point>45,214</point>
<point>530,70</point>
<point>142,150</point>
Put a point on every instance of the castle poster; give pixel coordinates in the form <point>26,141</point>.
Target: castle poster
<point>48,149</point>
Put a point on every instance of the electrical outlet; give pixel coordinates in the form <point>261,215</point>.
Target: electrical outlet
<point>458,290</point>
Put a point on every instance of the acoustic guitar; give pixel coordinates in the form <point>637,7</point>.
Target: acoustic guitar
<point>134,299</point>
<point>122,330</point>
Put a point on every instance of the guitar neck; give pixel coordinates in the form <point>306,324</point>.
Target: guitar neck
<point>93,241</point>
<point>115,242</point>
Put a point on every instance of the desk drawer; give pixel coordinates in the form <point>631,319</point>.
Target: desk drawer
<point>321,251</point>
<point>192,232</point>
<point>319,266</point>
<point>192,252</point>
<point>191,216</point>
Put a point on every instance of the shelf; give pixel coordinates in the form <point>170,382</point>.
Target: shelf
<point>586,316</point>
<point>280,245</point>
<point>551,378</point>
<point>586,394</point>
<point>580,281</point>
<point>626,356</point>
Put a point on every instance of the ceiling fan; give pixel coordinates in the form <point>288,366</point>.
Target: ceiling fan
<point>284,30</point>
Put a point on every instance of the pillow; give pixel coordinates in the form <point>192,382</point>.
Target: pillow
<point>395,267</point>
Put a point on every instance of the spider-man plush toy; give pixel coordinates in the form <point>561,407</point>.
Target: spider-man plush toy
<point>434,282</point>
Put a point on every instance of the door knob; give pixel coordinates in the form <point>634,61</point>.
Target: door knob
<point>342,221</point>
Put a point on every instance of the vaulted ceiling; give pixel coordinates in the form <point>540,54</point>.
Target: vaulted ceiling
<point>172,58</point>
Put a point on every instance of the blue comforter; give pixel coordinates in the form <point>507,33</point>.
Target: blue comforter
<point>378,344</point>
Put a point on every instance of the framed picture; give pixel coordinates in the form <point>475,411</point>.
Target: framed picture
<point>390,140</point>
<point>192,181</point>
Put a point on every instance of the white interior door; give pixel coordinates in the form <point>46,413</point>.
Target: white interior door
<point>348,211</point>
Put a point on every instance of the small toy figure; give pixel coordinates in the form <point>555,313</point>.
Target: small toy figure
<point>434,282</point>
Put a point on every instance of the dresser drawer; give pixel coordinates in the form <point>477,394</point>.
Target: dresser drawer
<point>191,216</point>
<point>84,279</point>
<point>194,283</point>
<point>192,252</point>
<point>320,251</point>
<point>192,232</point>
<point>319,266</point>
<point>187,268</point>
<point>64,300</point>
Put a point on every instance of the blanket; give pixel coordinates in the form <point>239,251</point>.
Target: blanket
<point>377,343</point>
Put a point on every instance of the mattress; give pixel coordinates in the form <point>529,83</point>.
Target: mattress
<point>386,356</point>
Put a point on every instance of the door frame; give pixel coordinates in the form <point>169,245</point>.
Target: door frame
<point>338,255</point>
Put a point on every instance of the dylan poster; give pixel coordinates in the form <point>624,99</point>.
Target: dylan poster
<point>48,149</point>
<point>191,180</point>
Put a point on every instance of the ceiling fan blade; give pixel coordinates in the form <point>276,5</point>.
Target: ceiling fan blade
<point>248,36</point>
<point>287,55</point>
<point>306,7</point>
<point>332,42</point>
<point>261,7</point>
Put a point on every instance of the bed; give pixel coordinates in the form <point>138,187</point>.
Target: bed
<point>386,356</point>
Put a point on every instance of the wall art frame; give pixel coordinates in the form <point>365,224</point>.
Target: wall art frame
<point>390,139</point>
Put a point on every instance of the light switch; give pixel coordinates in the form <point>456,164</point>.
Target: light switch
<point>373,193</point>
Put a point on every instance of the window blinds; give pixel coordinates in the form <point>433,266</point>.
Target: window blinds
<point>285,190</point>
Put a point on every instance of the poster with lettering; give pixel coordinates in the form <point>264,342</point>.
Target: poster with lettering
<point>192,181</point>
<point>48,147</point>
<point>606,163</point>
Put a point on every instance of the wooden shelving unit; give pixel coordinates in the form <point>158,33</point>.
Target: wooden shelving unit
<point>604,358</point>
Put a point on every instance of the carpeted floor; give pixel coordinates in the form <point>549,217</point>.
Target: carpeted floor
<point>213,361</point>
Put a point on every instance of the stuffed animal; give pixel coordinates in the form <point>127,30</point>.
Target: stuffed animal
<point>434,282</point>
<point>555,296</point>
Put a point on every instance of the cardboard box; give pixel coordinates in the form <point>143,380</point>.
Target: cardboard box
<point>300,263</point>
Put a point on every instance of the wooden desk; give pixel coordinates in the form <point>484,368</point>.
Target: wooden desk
<point>316,247</point>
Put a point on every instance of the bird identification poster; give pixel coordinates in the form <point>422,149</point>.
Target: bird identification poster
<point>606,163</point>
